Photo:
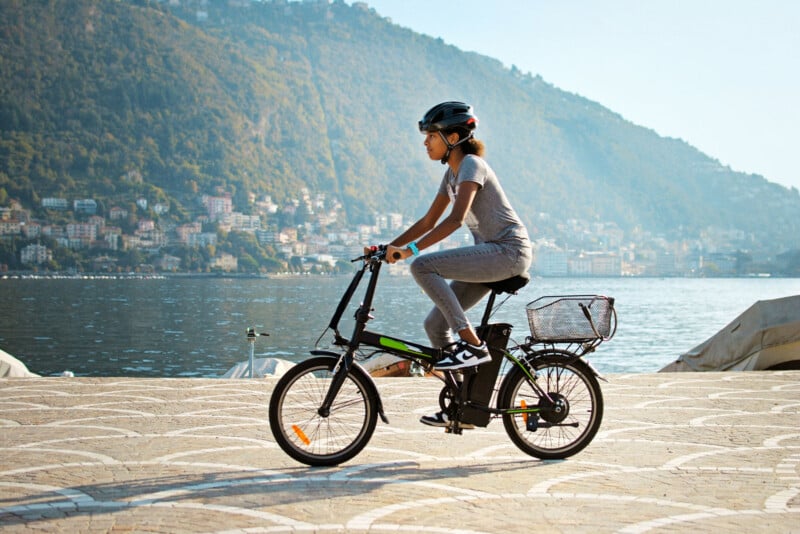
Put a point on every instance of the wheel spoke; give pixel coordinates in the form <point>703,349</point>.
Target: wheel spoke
<point>300,429</point>
<point>569,404</point>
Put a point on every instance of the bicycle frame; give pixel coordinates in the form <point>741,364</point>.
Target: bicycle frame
<point>415,352</point>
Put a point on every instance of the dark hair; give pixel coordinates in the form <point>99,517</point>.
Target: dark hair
<point>473,146</point>
<point>469,146</point>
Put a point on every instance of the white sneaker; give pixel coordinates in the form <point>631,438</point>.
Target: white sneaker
<point>465,355</point>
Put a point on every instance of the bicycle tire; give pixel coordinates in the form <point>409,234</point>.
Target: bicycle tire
<point>563,427</point>
<point>303,433</point>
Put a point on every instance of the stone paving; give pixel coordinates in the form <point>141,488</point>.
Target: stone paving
<point>685,452</point>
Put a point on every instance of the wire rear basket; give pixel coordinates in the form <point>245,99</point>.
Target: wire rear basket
<point>572,318</point>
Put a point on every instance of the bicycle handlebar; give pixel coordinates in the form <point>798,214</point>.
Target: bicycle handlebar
<point>376,253</point>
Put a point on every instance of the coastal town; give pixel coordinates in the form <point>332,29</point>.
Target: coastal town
<point>306,235</point>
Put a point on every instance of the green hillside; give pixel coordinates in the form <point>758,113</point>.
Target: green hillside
<point>115,99</point>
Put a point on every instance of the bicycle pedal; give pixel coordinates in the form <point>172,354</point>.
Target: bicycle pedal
<point>532,424</point>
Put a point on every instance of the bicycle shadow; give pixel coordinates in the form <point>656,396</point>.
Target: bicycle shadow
<point>411,471</point>
<point>257,490</point>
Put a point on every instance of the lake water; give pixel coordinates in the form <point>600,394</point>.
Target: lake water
<point>196,326</point>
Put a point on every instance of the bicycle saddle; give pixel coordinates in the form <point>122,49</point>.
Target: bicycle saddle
<point>509,285</point>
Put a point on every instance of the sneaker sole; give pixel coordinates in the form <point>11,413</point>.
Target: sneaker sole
<point>433,424</point>
<point>464,426</point>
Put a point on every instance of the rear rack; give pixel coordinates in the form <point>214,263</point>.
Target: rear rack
<point>572,319</point>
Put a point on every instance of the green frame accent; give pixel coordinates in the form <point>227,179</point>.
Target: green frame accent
<point>396,344</point>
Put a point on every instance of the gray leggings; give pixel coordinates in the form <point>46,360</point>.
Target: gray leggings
<point>468,268</point>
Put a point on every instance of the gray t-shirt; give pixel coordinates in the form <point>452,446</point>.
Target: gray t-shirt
<point>491,217</point>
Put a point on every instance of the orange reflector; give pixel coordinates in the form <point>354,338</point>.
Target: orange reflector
<point>524,414</point>
<point>301,435</point>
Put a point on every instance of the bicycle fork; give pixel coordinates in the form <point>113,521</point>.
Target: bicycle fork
<point>340,371</point>
<point>339,374</point>
<point>345,362</point>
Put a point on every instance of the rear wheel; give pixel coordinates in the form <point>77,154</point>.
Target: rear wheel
<point>306,435</point>
<point>561,423</point>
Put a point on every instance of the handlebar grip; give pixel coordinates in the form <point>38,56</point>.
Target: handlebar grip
<point>397,255</point>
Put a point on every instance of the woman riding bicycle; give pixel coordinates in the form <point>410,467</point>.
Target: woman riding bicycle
<point>501,250</point>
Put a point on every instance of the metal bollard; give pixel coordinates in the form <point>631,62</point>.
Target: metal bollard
<point>251,338</point>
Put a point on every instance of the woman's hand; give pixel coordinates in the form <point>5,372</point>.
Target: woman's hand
<point>394,253</point>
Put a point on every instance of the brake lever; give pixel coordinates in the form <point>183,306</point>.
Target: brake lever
<point>376,252</point>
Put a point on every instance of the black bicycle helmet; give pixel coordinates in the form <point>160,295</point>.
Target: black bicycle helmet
<point>449,115</point>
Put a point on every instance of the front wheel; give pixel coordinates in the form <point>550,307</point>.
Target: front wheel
<point>560,423</point>
<point>306,435</point>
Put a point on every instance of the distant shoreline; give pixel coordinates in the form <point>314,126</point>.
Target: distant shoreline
<point>152,276</point>
<point>215,275</point>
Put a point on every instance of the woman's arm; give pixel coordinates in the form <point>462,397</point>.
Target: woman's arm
<point>465,194</point>
<point>423,225</point>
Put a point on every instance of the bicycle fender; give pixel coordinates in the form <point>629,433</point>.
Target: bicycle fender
<point>595,371</point>
<point>569,355</point>
<point>356,368</point>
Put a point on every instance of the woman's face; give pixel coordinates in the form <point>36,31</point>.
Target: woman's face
<point>435,145</point>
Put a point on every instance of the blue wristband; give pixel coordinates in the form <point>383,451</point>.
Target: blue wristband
<point>413,248</point>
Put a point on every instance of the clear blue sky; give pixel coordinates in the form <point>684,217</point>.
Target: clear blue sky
<point>723,75</point>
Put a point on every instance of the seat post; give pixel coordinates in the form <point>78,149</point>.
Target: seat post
<point>489,305</point>
<point>509,285</point>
